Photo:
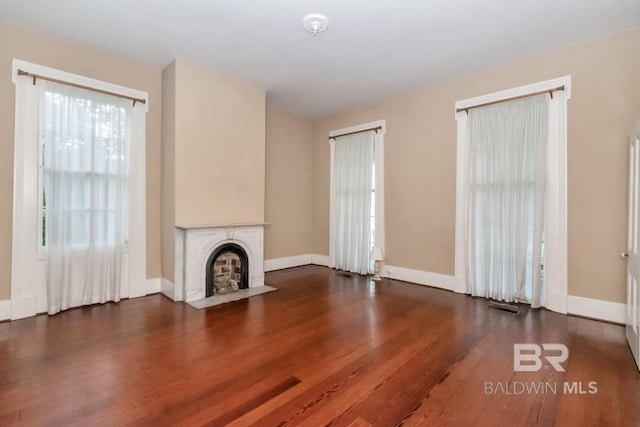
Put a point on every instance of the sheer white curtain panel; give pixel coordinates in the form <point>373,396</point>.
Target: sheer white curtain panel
<point>351,188</point>
<point>507,163</point>
<point>85,143</point>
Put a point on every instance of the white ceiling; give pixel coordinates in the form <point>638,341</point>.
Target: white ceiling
<point>372,49</point>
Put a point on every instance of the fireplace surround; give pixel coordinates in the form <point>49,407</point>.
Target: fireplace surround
<point>196,246</point>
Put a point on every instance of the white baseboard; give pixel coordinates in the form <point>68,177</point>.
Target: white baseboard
<point>23,307</point>
<point>154,286</point>
<point>587,307</point>
<point>320,260</point>
<point>295,261</point>
<point>138,287</point>
<point>5,309</point>
<point>436,280</point>
<point>167,288</point>
<point>596,309</point>
<point>287,262</point>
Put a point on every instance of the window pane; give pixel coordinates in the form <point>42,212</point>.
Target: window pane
<point>85,150</point>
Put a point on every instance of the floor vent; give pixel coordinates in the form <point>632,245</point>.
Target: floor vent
<point>512,308</point>
<point>345,274</point>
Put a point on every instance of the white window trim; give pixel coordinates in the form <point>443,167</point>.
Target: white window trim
<point>379,159</point>
<point>556,276</point>
<point>27,266</point>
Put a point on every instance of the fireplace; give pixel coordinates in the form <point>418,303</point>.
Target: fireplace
<point>227,270</point>
<point>237,248</point>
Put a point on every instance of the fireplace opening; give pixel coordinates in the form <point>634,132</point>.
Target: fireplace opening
<point>227,270</point>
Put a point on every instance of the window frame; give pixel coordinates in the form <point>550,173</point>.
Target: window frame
<point>379,174</point>
<point>556,269</point>
<point>28,292</point>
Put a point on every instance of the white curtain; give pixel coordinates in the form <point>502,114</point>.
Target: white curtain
<point>507,161</point>
<point>85,138</point>
<point>351,188</point>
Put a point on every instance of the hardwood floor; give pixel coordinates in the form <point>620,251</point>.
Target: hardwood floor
<point>324,349</point>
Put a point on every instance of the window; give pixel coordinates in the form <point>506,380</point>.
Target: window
<point>372,224</point>
<point>555,233</point>
<point>85,148</point>
<point>32,201</point>
<point>506,180</point>
<point>357,196</point>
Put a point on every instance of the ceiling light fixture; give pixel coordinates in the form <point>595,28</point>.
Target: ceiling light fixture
<point>315,23</point>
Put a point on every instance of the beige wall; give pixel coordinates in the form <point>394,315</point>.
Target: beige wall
<point>219,148</point>
<point>213,153</point>
<point>289,185</point>
<point>19,44</point>
<point>420,163</point>
<point>420,156</point>
<point>168,170</point>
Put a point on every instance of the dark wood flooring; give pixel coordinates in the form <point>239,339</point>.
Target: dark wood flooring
<point>324,349</point>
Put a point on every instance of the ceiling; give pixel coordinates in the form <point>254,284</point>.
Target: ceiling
<point>373,48</point>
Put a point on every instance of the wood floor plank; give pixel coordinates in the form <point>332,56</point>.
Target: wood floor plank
<point>331,366</point>
<point>336,393</point>
<point>324,349</point>
<point>359,422</point>
<point>463,383</point>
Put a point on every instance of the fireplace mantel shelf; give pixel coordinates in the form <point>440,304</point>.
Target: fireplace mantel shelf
<point>245,224</point>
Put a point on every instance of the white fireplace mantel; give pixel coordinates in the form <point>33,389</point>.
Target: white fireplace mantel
<point>194,244</point>
<point>231,224</point>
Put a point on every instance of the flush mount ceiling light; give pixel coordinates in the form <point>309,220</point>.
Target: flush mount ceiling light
<point>315,23</point>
